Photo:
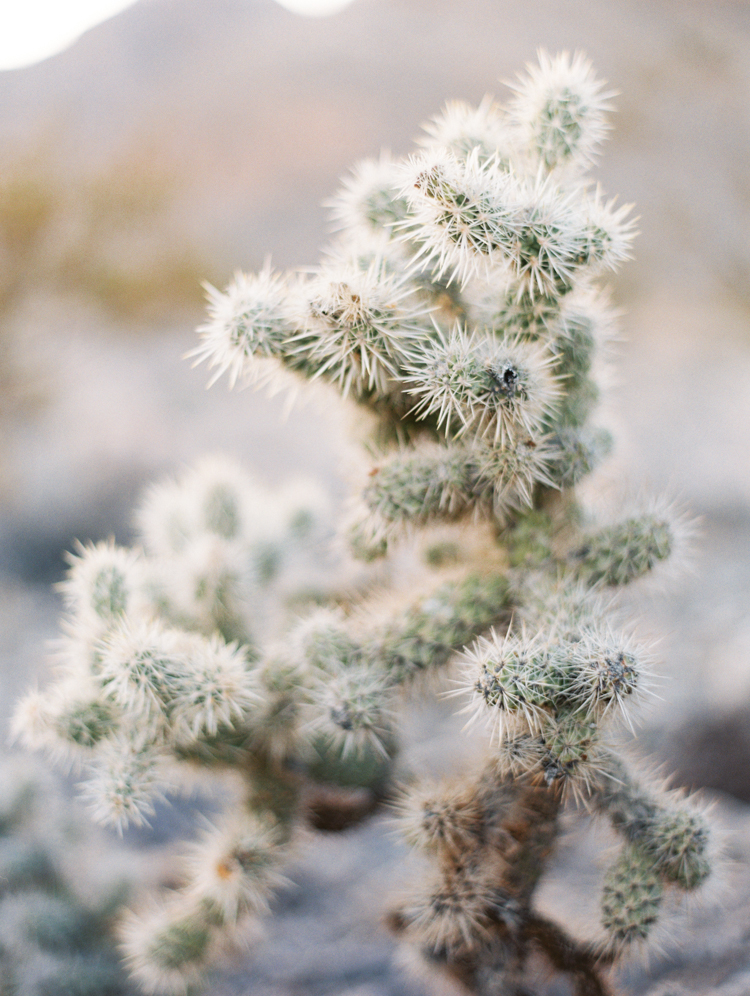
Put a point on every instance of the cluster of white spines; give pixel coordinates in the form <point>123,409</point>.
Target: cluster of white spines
<point>560,112</point>
<point>247,319</point>
<point>229,876</point>
<point>498,389</point>
<point>358,325</point>
<point>157,657</point>
<point>349,323</point>
<point>547,697</point>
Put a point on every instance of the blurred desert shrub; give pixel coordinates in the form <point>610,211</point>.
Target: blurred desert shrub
<point>113,233</point>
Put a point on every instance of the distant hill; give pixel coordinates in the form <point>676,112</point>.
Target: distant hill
<point>263,110</point>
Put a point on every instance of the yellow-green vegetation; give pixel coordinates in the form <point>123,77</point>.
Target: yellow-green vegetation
<point>111,233</point>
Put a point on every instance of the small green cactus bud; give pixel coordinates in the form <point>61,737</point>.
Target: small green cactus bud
<point>461,210</point>
<point>631,899</point>
<point>572,751</point>
<point>514,471</point>
<point>87,723</point>
<point>109,597</point>
<point>142,668</point>
<point>450,916</point>
<point>625,551</point>
<point>678,840</point>
<point>234,868</point>
<point>124,783</point>
<point>550,244</point>
<point>512,675</point>
<point>462,128</point>
<point>359,322</point>
<point>519,755</point>
<point>417,488</point>
<point>248,320</point>
<point>607,235</point>
<point>167,950</point>
<point>323,642</point>
<point>565,752</point>
<point>352,706</point>
<point>103,583</point>
<point>215,688</point>
<point>606,670</point>
<point>368,201</point>
<point>560,110</point>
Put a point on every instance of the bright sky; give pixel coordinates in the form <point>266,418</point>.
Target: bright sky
<point>31,30</point>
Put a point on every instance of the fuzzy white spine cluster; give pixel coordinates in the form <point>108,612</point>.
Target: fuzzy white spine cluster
<point>156,666</point>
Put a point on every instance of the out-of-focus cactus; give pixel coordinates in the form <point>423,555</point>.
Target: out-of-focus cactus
<point>56,928</point>
<point>461,305</point>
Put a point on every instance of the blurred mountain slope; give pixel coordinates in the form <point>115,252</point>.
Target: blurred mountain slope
<point>264,109</point>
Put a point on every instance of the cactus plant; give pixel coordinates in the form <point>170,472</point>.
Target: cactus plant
<point>56,929</point>
<point>461,306</point>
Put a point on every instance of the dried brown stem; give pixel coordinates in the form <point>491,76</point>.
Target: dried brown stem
<point>566,955</point>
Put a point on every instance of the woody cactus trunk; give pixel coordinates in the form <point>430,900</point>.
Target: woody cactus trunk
<point>461,305</point>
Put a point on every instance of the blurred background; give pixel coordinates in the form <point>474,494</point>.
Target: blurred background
<point>182,139</point>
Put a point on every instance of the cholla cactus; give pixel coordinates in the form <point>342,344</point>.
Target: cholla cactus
<point>461,305</point>
<point>56,931</point>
